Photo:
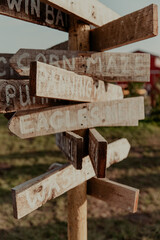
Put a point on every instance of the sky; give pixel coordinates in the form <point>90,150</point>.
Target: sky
<point>16,34</point>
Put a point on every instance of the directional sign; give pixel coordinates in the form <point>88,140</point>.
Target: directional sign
<point>117,150</point>
<point>104,66</point>
<point>6,71</point>
<point>98,152</point>
<point>115,194</point>
<point>35,12</point>
<point>52,82</point>
<point>124,112</point>
<point>32,194</point>
<point>90,11</point>
<point>71,145</point>
<point>131,28</point>
<point>15,96</point>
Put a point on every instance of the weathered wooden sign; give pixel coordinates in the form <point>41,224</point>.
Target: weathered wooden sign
<point>90,11</point>
<point>35,12</point>
<point>52,82</point>
<point>32,194</point>
<point>131,28</point>
<point>6,71</point>
<point>104,66</point>
<point>60,46</point>
<point>98,152</point>
<point>124,112</point>
<point>114,194</point>
<point>68,141</point>
<point>71,145</point>
<point>15,96</point>
<point>117,151</point>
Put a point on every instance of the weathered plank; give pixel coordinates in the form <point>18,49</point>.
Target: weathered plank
<point>90,11</point>
<point>71,145</point>
<point>60,46</point>
<point>15,96</point>
<point>52,82</point>
<point>117,151</point>
<point>6,71</point>
<point>98,152</point>
<point>115,194</point>
<point>35,12</point>
<point>32,194</point>
<point>124,112</point>
<point>104,66</point>
<point>131,28</point>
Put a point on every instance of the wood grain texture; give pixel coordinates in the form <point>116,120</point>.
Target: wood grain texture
<point>71,145</point>
<point>47,121</point>
<point>102,66</point>
<point>77,228</point>
<point>90,11</point>
<point>15,96</point>
<point>115,194</point>
<point>60,46</point>
<point>136,26</point>
<point>117,151</point>
<point>6,71</point>
<point>52,82</point>
<point>32,194</point>
<point>77,205</point>
<point>35,12</point>
<point>98,152</point>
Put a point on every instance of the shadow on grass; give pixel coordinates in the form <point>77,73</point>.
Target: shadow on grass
<point>33,154</point>
<point>130,227</point>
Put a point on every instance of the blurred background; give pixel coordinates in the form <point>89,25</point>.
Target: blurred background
<point>23,160</point>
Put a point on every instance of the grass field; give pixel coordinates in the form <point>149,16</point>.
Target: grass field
<point>21,160</point>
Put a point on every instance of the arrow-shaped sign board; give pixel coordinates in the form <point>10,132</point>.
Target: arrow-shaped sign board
<point>90,11</point>
<point>15,96</point>
<point>35,12</point>
<point>136,26</point>
<point>52,82</point>
<point>124,197</point>
<point>6,71</point>
<point>32,194</point>
<point>98,152</point>
<point>71,145</point>
<point>124,112</point>
<point>104,66</point>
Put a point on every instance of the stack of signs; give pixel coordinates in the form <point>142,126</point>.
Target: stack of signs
<point>68,93</point>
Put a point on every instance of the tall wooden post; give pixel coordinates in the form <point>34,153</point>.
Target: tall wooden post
<point>77,197</point>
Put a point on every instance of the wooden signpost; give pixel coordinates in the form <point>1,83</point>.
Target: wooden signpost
<point>103,66</point>
<point>136,26</point>
<point>52,82</point>
<point>71,145</point>
<point>126,112</point>
<point>75,71</point>
<point>32,194</point>
<point>90,11</point>
<point>15,96</point>
<point>98,152</point>
<point>6,71</point>
<point>35,12</point>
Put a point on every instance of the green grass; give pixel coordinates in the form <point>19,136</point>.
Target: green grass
<point>21,160</point>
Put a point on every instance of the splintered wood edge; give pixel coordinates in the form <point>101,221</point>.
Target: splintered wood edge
<point>33,73</point>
